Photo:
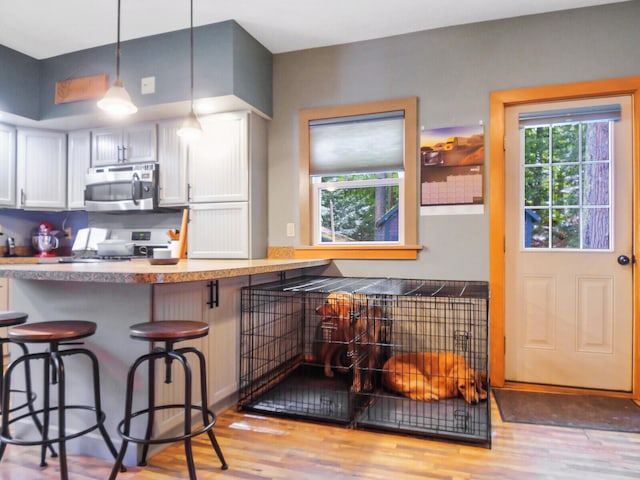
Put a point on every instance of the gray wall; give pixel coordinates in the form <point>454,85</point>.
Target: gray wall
<point>19,77</point>
<point>452,71</point>
<point>227,61</point>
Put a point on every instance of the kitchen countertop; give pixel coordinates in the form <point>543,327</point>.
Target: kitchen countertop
<point>141,271</point>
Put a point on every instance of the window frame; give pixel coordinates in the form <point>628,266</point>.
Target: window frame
<point>408,249</point>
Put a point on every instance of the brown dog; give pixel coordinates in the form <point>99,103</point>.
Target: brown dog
<point>348,323</point>
<point>432,376</point>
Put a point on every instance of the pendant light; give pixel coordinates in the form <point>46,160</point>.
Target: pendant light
<point>117,101</point>
<point>191,128</point>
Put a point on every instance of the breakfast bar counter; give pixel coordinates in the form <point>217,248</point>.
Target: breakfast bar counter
<point>116,295</point>
<point>141,270</point>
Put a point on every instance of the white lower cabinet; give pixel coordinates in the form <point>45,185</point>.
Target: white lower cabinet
<point>191,301</point>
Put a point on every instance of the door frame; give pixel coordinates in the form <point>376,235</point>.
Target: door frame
<point>500,100</point>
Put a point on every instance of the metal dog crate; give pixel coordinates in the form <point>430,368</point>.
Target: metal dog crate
<point>282,337</point>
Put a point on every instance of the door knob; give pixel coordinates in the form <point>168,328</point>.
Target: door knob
<point>624,260</point>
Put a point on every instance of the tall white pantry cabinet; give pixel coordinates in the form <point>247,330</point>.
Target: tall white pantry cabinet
<point>228,188</point>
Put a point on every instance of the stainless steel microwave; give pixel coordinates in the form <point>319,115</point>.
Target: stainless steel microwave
<point>122,188</point>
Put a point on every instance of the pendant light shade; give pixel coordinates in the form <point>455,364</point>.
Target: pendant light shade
<point>117,101</point>
<point>191,128</point>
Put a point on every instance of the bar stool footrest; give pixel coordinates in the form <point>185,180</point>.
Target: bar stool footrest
<point>29,401</point>
<point>90,428</point>
<point>159,441</point>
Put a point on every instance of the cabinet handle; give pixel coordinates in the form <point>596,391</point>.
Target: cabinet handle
<point>213,302</point>
<point>124,154</point>
<point>188,192</point>
<point>22,197</point>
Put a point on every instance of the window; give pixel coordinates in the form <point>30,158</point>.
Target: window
<point>567,168</point>
<point>358,182</point>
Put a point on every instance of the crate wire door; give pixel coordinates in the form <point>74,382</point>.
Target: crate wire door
<point>282,335</point>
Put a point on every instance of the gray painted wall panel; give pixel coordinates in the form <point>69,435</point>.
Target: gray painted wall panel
<point>19,77</point>
<point>27,86</point>
<point>452,71</point>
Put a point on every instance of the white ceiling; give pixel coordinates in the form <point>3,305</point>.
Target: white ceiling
<point>46,28</point>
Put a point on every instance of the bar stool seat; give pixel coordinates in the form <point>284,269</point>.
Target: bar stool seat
<point>57,334</point>
<point>168,332</point>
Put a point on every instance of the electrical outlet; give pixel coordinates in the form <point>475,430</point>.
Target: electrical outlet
<point>291,229</point>
<point>0,229</point>
<point>68,232</point>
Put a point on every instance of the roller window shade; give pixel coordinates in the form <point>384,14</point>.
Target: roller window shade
<point>597,113</point>
<point>364,143</point>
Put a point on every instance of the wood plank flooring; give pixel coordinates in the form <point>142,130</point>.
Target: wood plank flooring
<point>258,448</point>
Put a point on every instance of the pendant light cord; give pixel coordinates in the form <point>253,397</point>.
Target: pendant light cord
<point>191,46</point>
<point>118,47</point>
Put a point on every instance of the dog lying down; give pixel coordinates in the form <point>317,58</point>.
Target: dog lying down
<point>433,376</point>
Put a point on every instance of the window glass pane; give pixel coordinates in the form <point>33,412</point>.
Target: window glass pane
<point>595,224</point>
<point>595,181</point>
<point>359,214</point>
<point>536,142</point>
<point>536,186</point>
<point>566,185</point>
<point>595,141</point>
<point>565,143</point>
<point>565,226</point>
<point>536,223</point>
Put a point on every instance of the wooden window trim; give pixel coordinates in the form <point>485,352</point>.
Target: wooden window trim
<point>410,249</point>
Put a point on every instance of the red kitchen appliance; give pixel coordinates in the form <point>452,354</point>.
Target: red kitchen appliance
<point>45,240</point>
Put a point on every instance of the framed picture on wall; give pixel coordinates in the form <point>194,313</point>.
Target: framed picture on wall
<point>452,166</point>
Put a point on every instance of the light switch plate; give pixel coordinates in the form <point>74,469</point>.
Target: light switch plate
<point>291,229</point>
<point>148,85</point>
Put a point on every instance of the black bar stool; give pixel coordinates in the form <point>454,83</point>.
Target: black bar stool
<point>11,319</point>
<point>168,332</point>
<point>56,334</point>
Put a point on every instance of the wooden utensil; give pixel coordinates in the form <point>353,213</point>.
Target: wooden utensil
<point>182,246</point>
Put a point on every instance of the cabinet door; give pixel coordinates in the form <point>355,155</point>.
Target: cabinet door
<point>224,337</point>
<point>218,161</point>
<point>106,146</point>
<point>172,157</point>
<point>42,169</point>
<point>218,230</point>
<point>7,166</point>
<point>78,161</point>
<point>140,143</point>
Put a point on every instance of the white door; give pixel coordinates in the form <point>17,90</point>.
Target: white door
<point>568,229</point>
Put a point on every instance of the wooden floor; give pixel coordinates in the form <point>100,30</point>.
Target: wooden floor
<point>258,447</point>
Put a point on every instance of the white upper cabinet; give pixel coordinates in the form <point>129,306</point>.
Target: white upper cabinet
<point>133,144</point>
<point>219,160</point>
<point>7,166</point>
<point>228,195</point>
<point>172,158</point>
<point>78,162</point>
<point>41,170</point>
